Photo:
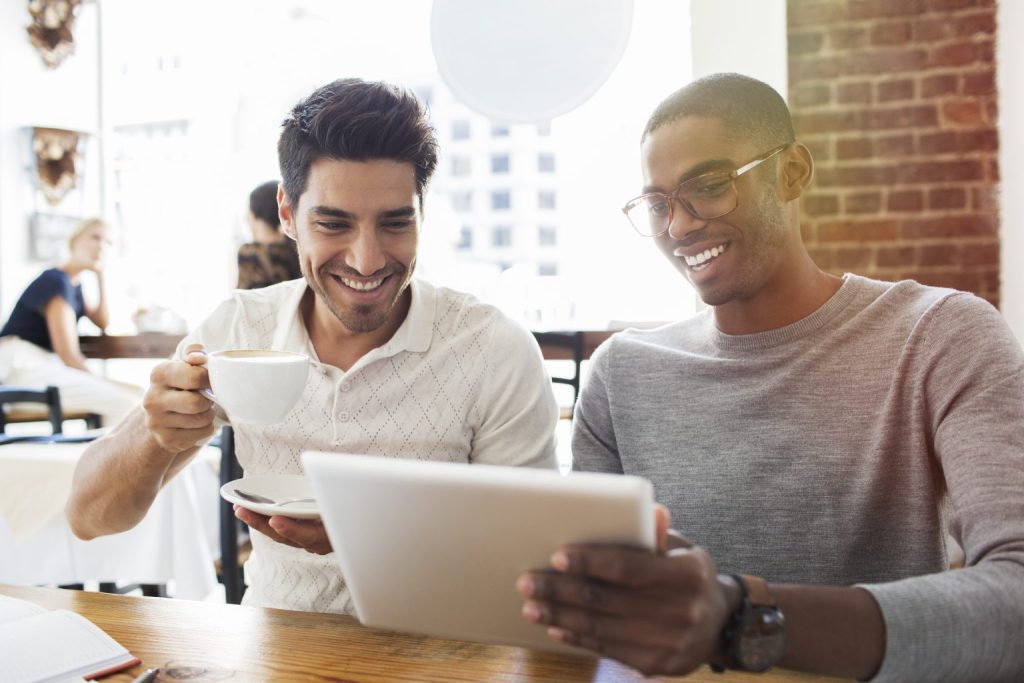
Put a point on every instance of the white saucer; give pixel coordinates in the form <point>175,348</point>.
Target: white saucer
<point>278,487</point>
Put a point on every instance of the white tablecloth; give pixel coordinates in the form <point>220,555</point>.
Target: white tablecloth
<point>176,542</point>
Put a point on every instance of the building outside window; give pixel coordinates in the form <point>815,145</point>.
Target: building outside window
<point>546,162</point>
<point>547,269</point>
<point>460,129</point>
<point>465,238</point>
<point>501,236</point>
<point>462,201</point>
<point>499,163</point>
<point>501,200</point>
<point>461,166</point>
<point>547,236</point>
<point>499,130</point>
<point>546,199</point>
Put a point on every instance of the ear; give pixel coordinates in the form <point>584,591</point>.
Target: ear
<point>796,171</point>
<point>286,212</point>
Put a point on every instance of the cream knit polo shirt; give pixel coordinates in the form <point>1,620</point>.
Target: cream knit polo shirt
<point>458,382</point>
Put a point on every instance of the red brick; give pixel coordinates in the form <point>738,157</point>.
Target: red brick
<point>943,142</point>
<point>940,84</point>
<point>893,33</point>
<point>810,95</point>
<point>902,89</point>
<point>981,24</point>
<point>992,170</point>
<point>851,93</point>
<point>966,282</point>
<point>820,147</point>
<point>931,30</point>
<point>949,226</point>
<point>955,54</point>
<point>992,111</point>
<point>872,9</point>
<point>905,200</point>
<point>821,204</point>
<point>805,43</point>
<point>858,231</point>
<point>867,175</point>
<point>892,257</point>
<point>811,68</point>
<point>863,202</point>
<point>963,113</point>
<point>938,255</point>
<point>981,83</point>
<point>854,148</point>
<point>985,198</point>
<point>980,254</point>
<point>986,51</point>
<point>827,121</point>
<point>853,257</point>
<point>947,5</point>
<point>939,143</point>
<point>874,62</point>
<point>894,145</point>
<point>847,38</point>
<point>947,198</point>
<point>816,12</point>
<point>917,116</point>
<point>941,171</point>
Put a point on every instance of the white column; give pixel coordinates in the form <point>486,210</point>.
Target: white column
<point>1009,57</point>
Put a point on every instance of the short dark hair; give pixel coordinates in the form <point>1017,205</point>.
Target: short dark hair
<point>263,203</point>
<point>747,107</point>
<point>356,120</point>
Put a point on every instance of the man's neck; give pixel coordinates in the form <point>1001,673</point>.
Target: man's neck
<point>799,291</point>
<point>334,343</point>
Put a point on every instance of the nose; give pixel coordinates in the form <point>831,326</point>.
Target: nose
<point>683,222</point>
<point>365,254</point>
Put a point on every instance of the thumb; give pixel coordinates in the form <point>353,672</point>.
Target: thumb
<point>195,354</point>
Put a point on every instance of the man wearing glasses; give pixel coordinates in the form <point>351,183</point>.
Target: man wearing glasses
<point>812,436</point>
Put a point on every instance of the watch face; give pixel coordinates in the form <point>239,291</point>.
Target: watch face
<point>760,638</point>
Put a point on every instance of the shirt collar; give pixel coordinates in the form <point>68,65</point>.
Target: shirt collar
<point>413,335</point>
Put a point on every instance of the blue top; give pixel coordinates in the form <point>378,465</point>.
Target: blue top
<point>27,320</point>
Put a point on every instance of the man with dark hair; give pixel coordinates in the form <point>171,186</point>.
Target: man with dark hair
<point>399,368</point>
<point>271,256</point>
<point>813,437</point>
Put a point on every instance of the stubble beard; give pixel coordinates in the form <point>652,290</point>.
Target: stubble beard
<point>358,318</point>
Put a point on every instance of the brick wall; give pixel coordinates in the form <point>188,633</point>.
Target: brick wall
<point>896,100</point>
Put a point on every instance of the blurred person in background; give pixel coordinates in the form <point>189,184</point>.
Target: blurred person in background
<point>39,342</point>
<point>271,257</point>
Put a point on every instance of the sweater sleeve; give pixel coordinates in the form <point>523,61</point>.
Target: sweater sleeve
<point>593,434</point>
<point>967,624</point>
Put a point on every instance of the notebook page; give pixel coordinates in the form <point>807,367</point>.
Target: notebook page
<point>54,646</point>
<point>12,608</point>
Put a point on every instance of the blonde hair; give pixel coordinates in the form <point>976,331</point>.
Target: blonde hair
<point>83,227</point>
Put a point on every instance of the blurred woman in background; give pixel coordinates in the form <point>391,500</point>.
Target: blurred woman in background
<point>39,343</point>
<point>271,257</point>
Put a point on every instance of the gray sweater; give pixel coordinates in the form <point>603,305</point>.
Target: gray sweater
<point>838,450</point>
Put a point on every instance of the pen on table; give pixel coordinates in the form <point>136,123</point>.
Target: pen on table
<point>147,676</point>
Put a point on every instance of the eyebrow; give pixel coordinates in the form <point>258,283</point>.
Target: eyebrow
<point>700,169</point>
<point>332,212</point>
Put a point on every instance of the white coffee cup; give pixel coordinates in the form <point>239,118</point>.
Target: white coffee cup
<point>256,386</point>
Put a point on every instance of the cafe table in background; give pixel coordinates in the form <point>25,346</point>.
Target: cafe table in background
<point>200,641</point>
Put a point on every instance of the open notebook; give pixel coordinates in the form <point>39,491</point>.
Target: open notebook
<point>39,645</point>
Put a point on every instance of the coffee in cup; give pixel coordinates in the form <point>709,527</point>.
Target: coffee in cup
<point>256,386</point>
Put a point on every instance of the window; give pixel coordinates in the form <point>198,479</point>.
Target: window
<point>462,201</point>
<point>546,163</point>
<point>465,238</point>
<point>547,269</point>
<point>501,199</point>
<point>461,166</point>
<point>544,129</point>
<point>547,236</point>
<point>499,130</point>
<point>546,199</point>
<point>501,236</point>
<point>499,163</point>
<point>460,129</point>
<point>424,95</point>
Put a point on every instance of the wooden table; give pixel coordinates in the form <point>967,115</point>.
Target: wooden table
<point>235,643</point>
<point>146,345</point>
<point>158,345</point>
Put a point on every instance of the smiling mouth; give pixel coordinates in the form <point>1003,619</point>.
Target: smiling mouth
<point>361,285</point>
<point>699,262</point>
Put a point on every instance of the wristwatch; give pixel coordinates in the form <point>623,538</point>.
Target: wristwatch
<point>755,637</point>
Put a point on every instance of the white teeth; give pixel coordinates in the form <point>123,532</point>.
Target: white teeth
<point>697,262</point>
<point>362,286</point>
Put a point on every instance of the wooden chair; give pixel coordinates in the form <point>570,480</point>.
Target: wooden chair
<point>52,411</point>
<point>231,557</point>
<point>568,346</point>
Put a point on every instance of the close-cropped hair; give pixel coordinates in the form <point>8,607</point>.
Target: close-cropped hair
<point>748,108</point>
<point>355,120</point>
<point>263,204</point>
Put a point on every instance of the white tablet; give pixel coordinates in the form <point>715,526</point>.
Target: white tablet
<point>435,547</point>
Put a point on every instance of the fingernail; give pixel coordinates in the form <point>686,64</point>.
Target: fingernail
<point>560,561</point>
<point>524,584</point>
<point>531,611</point>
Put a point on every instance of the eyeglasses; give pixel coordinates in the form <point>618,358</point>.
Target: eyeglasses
<point>707,196</point>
